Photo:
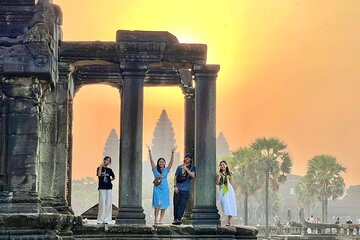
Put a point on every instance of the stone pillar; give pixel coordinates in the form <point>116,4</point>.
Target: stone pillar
<point>21,145</point>
<point>3,140</point>
<point>69,140</point>
<point>69,159</point>
<point>59,185</point>
<point>189,124</point>
<point>47,145</point>
<point>205,211</point>
<point>131,129</point>
<point>189,144</point>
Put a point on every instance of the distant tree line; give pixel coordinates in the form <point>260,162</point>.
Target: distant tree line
<point>260,167</point>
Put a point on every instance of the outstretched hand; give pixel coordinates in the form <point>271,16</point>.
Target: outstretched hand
<point>148,148</point>
<point>174,148</point>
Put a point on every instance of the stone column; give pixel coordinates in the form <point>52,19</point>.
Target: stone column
<point>22,145</point>
<point>59,185</point>
<point>131,129</point>
<point>189,124</point>
<point>69,140</point>
<point>205,211</point>
<point>69,159</point>
<point>189,137</point>
<point>3,140</point>
<point>47,156</point>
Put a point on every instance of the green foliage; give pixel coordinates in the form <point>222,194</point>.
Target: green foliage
<point>275,158</point>
<point>322,181</point>
<point>245,163</point>
<point>305,198</point>
<point>324,177</point>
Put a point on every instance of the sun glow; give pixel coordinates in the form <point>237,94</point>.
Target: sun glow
<point>288,68</point>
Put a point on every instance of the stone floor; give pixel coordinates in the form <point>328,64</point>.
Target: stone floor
<point>165,231</point>
<point>49,226</point>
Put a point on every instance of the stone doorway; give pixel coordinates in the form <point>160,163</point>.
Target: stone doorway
<point>96,115</point>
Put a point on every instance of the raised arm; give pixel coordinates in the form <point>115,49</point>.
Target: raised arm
<point>190,173</point>
<point>150,157</point>
<point>99,169</point>
<point>217,179</point>
<point>172,158</point>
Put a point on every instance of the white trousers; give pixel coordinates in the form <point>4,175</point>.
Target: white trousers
<point>105,206</point>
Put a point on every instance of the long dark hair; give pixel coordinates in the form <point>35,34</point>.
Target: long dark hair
<point>157,165</point>
<point>227,170</point>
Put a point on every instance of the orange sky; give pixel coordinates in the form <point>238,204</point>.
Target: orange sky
<point>289,69</point>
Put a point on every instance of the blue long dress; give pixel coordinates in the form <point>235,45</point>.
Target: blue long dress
<point>161,192</point>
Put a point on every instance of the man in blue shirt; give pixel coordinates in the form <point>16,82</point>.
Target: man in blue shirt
<point>182,185</point>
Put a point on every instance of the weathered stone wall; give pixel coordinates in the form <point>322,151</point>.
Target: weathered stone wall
<point>21,138</point>
<point>29,43</point>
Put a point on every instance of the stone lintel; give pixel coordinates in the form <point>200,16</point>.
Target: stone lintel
<point>185,53</point>
<point>168,77</point>
<point>92,74</point>
<point>133,53</point>
<point>73,51</point>
<point>112,74</point>
<point>145,36</point>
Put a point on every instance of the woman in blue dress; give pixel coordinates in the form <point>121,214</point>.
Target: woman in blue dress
<point>161,192</point>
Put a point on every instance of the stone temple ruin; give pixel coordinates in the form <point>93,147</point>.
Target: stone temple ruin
<point>39,77</point>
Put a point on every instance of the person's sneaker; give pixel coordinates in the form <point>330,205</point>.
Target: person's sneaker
<point>177,222</point>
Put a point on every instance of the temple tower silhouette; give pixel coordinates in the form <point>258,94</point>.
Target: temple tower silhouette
<point>222,146</point>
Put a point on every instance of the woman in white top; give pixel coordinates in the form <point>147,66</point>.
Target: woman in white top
<point>226,191</point>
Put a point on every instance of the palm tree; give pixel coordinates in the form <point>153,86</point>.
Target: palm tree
<point>277,165</point>
<point>305,198</point>
<point>324,181</point>
<point>245,163</point>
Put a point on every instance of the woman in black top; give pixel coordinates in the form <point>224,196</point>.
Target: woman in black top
<point>105,176</point>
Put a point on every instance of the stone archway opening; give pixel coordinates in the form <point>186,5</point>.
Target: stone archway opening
<point>163,128</point>
<point>96,118</point>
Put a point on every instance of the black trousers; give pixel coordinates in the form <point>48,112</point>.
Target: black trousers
<point>179,202</point>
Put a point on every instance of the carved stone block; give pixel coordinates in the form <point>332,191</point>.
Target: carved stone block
<point>23,144</point>
<point>23,124</point>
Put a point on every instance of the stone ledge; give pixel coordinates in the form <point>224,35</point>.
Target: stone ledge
<point>113,231</point>
<point>46,221</point>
